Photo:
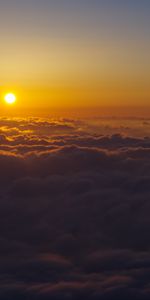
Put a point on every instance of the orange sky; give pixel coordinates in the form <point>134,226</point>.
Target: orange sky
<point>73,55</point>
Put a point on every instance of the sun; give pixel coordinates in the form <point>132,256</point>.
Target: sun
<point>10,98</point>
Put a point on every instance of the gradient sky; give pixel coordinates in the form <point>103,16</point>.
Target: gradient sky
<point>75,53</point>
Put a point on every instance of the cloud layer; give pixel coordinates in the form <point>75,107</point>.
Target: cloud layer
<point>74,210</point>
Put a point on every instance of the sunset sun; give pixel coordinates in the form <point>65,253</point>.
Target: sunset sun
<point>10,98</point>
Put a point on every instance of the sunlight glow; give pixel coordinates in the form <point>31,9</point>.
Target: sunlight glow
<point>10,98</point>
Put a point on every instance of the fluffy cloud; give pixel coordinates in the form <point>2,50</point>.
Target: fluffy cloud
<point>74,211</point>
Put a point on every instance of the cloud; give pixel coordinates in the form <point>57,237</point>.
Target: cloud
<point>74,212</point>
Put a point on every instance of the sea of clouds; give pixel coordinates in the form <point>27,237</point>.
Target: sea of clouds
<point>74,209</point>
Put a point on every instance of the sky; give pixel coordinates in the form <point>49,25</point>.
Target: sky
<point>75,53</point>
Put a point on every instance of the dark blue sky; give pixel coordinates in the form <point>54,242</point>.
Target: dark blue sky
<point>67,14</point>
